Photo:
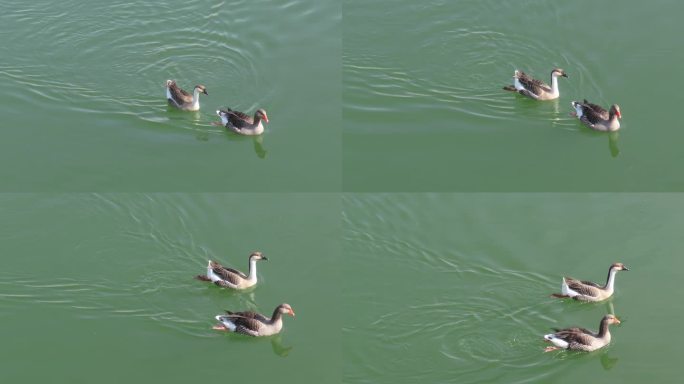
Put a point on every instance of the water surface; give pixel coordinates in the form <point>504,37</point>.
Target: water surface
<point>84,105</point>
<point>424,110</point>
<point>100,287</point>
<point>455,288</point>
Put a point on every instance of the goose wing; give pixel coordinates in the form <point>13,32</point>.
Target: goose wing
<point>247,323</point>
<point>593,113</point>
<point>531,84</point>
<point>576,335</point>
<point>228,274</point>
<point>586,288</point>
<point>178,94</point>
<point>249,315</point>
<point>238,119</point>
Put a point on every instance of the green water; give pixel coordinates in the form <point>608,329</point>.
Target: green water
<point>454,288</point>
<point>84,106</point>
<point>424,110</point>
<point>100,287</point>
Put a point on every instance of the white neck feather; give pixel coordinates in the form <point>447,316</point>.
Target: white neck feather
<point>554,84</point>
<point>252,271</point>
<point>611,280</point>
<point>195,98</point>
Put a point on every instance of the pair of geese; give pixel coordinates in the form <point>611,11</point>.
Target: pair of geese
<point>236,121</point>
<point>592,115</point>
<point>582,339</point>
<point>247,322</point>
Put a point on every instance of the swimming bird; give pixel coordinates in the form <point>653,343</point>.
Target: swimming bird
<point>589,291</point>
<point>536,89</point>
<point>232,278</point>
<point>252,323</point>
<point>180,99</point>
<point>581,339</point>
<point>597,118</point>
<point>242,123</point>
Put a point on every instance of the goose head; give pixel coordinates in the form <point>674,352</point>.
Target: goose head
<point>557,72</point>
<point>286,309</point>
<point>260,113</point>
<point>619,267</point>
<point>611,319</point>
<point>615,111</point>
<point>201,89</point>
<point>256,256</point>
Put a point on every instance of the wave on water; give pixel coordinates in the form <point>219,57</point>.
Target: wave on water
<point>144,270</point>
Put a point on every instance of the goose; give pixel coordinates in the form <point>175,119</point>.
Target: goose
<point>232,278</point>
<point>589,291</point>
<point>581,339</point>
<point>180,99</point>
<point>242,123</point>
<point>597,118</point>
<point>536,89</point>
<point>252,323</point>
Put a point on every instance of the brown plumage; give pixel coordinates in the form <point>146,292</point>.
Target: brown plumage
<point>242,123</point>
<point>582,339</point>
<point>536,89</point>
<point>590,291</point>
<point>252,323</point>
<point>232,278</point>
<point>596,117</point>
<point>179,98</point>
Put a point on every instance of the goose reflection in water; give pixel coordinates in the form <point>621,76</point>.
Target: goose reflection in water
<point>612,144</point>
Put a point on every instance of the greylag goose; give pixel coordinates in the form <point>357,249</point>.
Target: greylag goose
<point>536,89</point>
<point>597,118</point>
<point>252,323</point>
<point>242,123</point>
<point>589,291</point>
<point>182,100</point>
<point>232,278</point>
<point>581,339</point>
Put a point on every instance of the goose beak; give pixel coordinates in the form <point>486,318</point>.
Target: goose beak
<point>617,321</point>
<point>264,258</point>
<point>624,267</point>
<point>564,75</point>
<point>205,92</point>
<point>292,313</point>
